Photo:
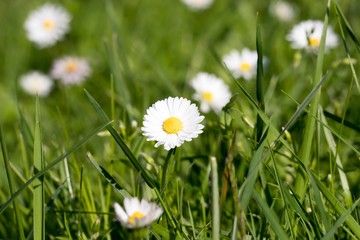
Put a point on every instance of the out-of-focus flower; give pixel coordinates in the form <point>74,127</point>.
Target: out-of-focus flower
<point>171,122</point>
<point>211,91</point>
<point>70,70</point>
<point>242,64</point>
<point>198,4</point>
<point>307,35</point>
<point>283,10</point>
<point>47,25</point>
<point>136,214</point>
<point>36,83</point>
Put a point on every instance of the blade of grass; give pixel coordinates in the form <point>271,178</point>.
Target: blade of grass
<point>11,186</point>
<point>307,143</point>
<point>333,148</point>
<point>52,164</point>
<point>270,216</point>
<point>247,187</point>
<point>259,81</point>
<point>38,185</point>
<point>331,232</point>
<point>215,216</point>
<point>151,182</point>
<point>339,208</point>
<point>110,179</point>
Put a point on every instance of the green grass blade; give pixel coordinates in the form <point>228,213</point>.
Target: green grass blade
<point>259,82</point>
<point>38,185</point>
<point>339,208</point>
<point>52,164</point>
<point>271,217</point>
<point>110,179</point>
<point>333,148</point>
<point>248,186</point>
<point>340,221</point>
<point>307,143</point>
<point>121,143</point>
<point>215,216</point>
<point>11,186</point>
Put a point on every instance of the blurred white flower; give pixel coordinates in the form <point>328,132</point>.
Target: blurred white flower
<point>198,4</point>
<point>36,83</point>
<point>242,64</point>
<point>307,35</point>
<point>171,122</point>
<point>283,10</point>
<point>136,214</point>
<point>211,91</point>
<point>47,25</point>
<point>70,70</point>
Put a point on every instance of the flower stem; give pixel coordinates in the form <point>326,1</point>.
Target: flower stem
<point>165,168</point>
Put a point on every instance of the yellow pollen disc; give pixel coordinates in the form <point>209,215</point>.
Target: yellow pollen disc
<point>172,125</point>
<point>314,42</point>
<point>48,24</point>
<point>135,216</point>
<point>245,67</point>
<point>71,67</point>
<point>207,96</point>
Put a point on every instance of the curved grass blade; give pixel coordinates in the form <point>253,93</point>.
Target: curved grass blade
<point>271,217</point>
<point>259,81</point>
<point>340,221</point>
<point>121,142</point>
<point>11,186</point>
<point>52,164</point>
<point>108,177</point>
<point>339,208</point>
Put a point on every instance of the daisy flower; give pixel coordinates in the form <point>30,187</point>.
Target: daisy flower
<point>136,214</point>
<point>211,91</point>
<point>70,70</point>
<point>171,122</point>
<point>242,64</point>
<point>307,35</point>
<point>198,4</point>
<point>36,83</point>
<point>47,25</point>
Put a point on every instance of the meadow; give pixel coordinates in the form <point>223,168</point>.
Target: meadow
<point>270,152</point>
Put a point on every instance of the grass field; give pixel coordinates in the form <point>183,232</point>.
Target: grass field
<point>280,161</point>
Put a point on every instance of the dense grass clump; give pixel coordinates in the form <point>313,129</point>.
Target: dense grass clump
<point>257,133</point>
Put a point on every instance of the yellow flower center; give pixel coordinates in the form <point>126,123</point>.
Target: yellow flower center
<point>71,66</point>
<point>48,24</point>
<point>245,67</point>
<point>172,125</point>
<point>314,42</point>
<point>207,96</point>
<point>135,217</point>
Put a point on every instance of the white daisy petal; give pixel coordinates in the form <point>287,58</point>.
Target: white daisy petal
<point>137,214</point>
<point>197,5</point>
<point>211,91</point>
<point>70,70</point>
<point>47,25</point>
<point>166,120</point>
<point>36,83</point>
<point>307,35</point>
<point>242,64</point>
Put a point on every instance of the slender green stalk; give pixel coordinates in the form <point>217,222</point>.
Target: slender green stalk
<point>165,168</point>
<point>38,185</point>
<point>307,143</point>
<point>215,219</point>
<point>11,186</point>
<point>51,165</point>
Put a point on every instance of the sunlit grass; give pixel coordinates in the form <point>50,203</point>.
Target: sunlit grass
<point>281,160</point>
